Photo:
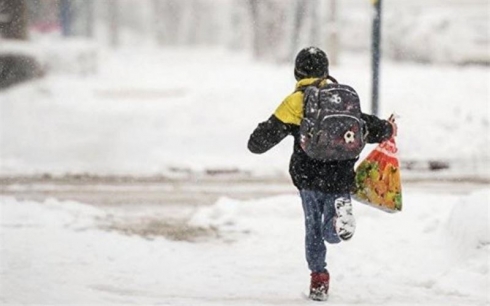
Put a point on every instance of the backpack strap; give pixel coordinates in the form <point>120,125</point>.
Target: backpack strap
<point>316,83</point>
<point>331,78</point>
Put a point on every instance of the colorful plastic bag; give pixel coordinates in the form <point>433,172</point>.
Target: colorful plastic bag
<point>378,181</point>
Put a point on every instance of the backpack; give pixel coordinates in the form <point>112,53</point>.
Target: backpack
<point>331,129</point>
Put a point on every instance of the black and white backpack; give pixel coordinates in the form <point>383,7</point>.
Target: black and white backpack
<point>331,129</point>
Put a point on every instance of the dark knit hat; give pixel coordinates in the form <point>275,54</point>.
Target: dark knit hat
<point>311,62</point>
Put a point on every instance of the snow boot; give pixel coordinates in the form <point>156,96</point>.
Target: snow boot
<point>344,222</point>
<point>319,286</point>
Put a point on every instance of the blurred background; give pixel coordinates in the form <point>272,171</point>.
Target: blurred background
<point>431,31</point>
<point>173,88</point>
<point>125,176</point>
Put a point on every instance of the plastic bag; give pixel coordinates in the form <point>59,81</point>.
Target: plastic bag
<point>378,182</point>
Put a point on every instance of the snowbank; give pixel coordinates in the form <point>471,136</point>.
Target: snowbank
<point>469,221</point>
<point>54,253</point>
<point>68,56</point>
<point>438,246</point>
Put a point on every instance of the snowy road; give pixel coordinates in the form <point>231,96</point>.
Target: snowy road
<point>145,206</point>
<point>194,191</point>
<point>61,252</point>
<point>113,191</point>
<point>161,206</point>
<point>146,248</point>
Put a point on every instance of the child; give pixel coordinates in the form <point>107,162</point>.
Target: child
<point>324,186</point>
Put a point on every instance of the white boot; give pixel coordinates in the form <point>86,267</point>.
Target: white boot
<point>345,224</point>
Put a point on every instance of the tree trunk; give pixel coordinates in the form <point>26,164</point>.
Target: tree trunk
<point>13,19</point>
<point>267,17</point>
<point>89,18</point>
<point>254,12</point>
<point>113,23</point>
<point>157,22</point>
<point>314,22</point>
<point>333,40</point>
<point>299,16</point>
<point>237,39</point>
<point>191,13</point>
<point>171,18</point>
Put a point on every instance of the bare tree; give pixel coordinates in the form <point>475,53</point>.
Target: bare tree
<point>268,20</point>
<point>89,20</point>
<point>168,17</point>
<point>13,19</point>
<point>298,21</point>
<point>192,13</point>
<point>157,21</point>
<point>333,40</point>
<point>238,38</point>
<point>254,11</point>
<point>314,22</point>
<point>114,23</point>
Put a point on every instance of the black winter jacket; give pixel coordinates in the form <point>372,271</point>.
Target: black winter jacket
<point>308,173</point>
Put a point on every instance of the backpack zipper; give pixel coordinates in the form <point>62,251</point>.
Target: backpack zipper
<point>342,115</point>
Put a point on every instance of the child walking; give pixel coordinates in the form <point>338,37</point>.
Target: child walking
<point>324,185</point>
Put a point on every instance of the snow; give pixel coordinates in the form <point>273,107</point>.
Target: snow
<point>151,110</point>
<point>474,232</point>
<point>435,252</point>
<point>159,111</point>
<point>68,56</point>
<point>313,50</point>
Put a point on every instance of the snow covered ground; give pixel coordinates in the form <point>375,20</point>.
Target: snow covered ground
<point>148,111</point>
<point>435,252</point>
<point>168,111</point>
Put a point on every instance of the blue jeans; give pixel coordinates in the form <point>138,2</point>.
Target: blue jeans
<point>319,212</point>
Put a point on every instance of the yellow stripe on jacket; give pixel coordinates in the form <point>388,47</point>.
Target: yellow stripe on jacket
<point>291,109</point>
